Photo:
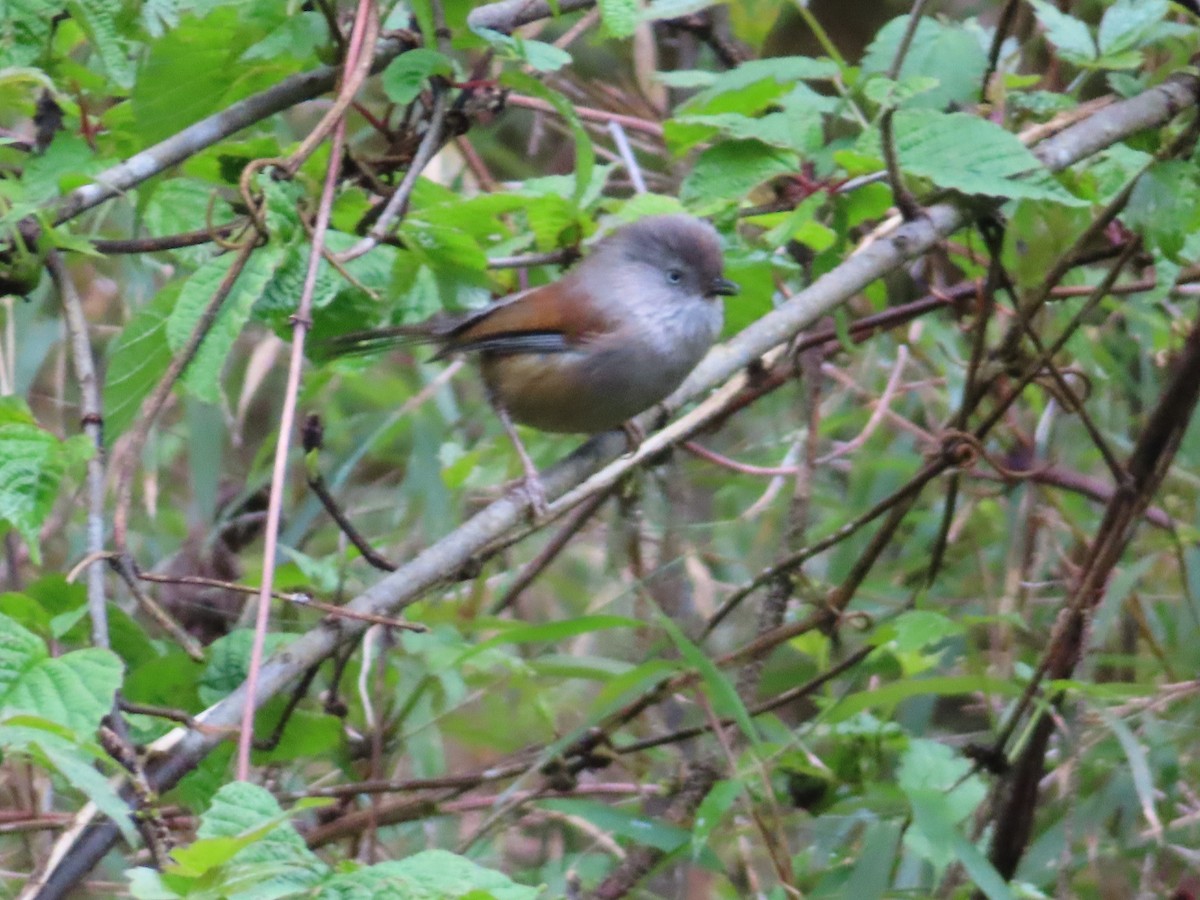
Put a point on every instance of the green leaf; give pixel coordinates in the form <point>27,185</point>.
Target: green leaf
<point>887,696</point>
<point>245,847</point>
<point>442,246</point>
<point>228,660</point>
<point>1068,34</point>
<point>306,735</point>
<point>787,130</point>
<point>97,19</point>
<point>728,171</point>
<point>81,773</point>
<point>620,17</point>
<point>721,692</point>
<point>70,755</point>
<point>405,76</point>
<point>946,52</point>
<point>536,54</point>
<point>74,690</point>
<point>26,31</point>
<point>137,359</point>
<point>673,9</point>
<point>1163,206</point>
<point>187,73</point>
<point>32,465</point>
<point>916,630</point>
<point>932,822</point>
<point>972,155</point>
<point>553,631</point>
<point>181,204</point>
<point>712,811</point>
<point>428,875</point>
<point>1130,24</point>
<point>202,376</point>
<point>1139,768</point>
<point>755,84</point>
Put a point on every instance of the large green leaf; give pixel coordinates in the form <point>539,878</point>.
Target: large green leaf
<point>137,359</point>
<point>429,875</point>
<point>728,171</point>
<point>949,53</point>
<point>203,374</point>
<point>75,690</point>
<point>972,155</point>
<point>32,465</point>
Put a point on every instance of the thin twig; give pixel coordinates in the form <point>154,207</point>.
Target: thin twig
<point>627,157</point>
<point>92,418</point>
<point>124,567</point>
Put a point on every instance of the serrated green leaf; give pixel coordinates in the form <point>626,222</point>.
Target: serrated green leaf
<point>1130,24</point>
<point>202,376</point>
<point>179,205</point>
<point>753,85</point>
<point>26,32</point>
<point>428,875</point>
<point>75,690</point>
<point>187,73</point>
<point>729,170</point>
<point>1163,206</point>
<point>246,845</point>
<point>98,20</point>
<point>405,76</point>
<point>32,465</point>
<point>1071,36</point>
<point>443,247</point>
<point>137,359</point>
<point>620,17</point>
<point>946,52</point>
<point>972,155</point>
<point>228,658</point>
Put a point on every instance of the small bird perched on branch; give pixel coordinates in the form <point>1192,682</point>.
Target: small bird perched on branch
<point>588,352</point>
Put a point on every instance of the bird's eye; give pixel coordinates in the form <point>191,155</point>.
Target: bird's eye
<point>674,276</point>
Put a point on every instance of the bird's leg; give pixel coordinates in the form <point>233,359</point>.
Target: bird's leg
<point>534,489</point>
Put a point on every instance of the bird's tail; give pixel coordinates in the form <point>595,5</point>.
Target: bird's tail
<point>371,341</point>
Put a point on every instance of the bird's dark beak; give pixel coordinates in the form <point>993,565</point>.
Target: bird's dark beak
<point>722,287</point>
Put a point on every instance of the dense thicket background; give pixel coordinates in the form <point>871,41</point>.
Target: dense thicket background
<point>906,608</point>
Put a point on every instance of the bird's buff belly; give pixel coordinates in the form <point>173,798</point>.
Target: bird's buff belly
<point>553,392</point>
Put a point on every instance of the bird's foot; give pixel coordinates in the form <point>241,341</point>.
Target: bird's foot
<point>539,505</point>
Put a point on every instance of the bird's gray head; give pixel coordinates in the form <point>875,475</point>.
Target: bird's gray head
<point>680,252</point>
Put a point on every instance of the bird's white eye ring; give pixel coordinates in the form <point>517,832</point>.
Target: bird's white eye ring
<point>674,276</point>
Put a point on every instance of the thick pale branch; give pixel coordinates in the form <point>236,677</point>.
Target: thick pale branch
<point>509,14</point>
<point>209,131</point>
